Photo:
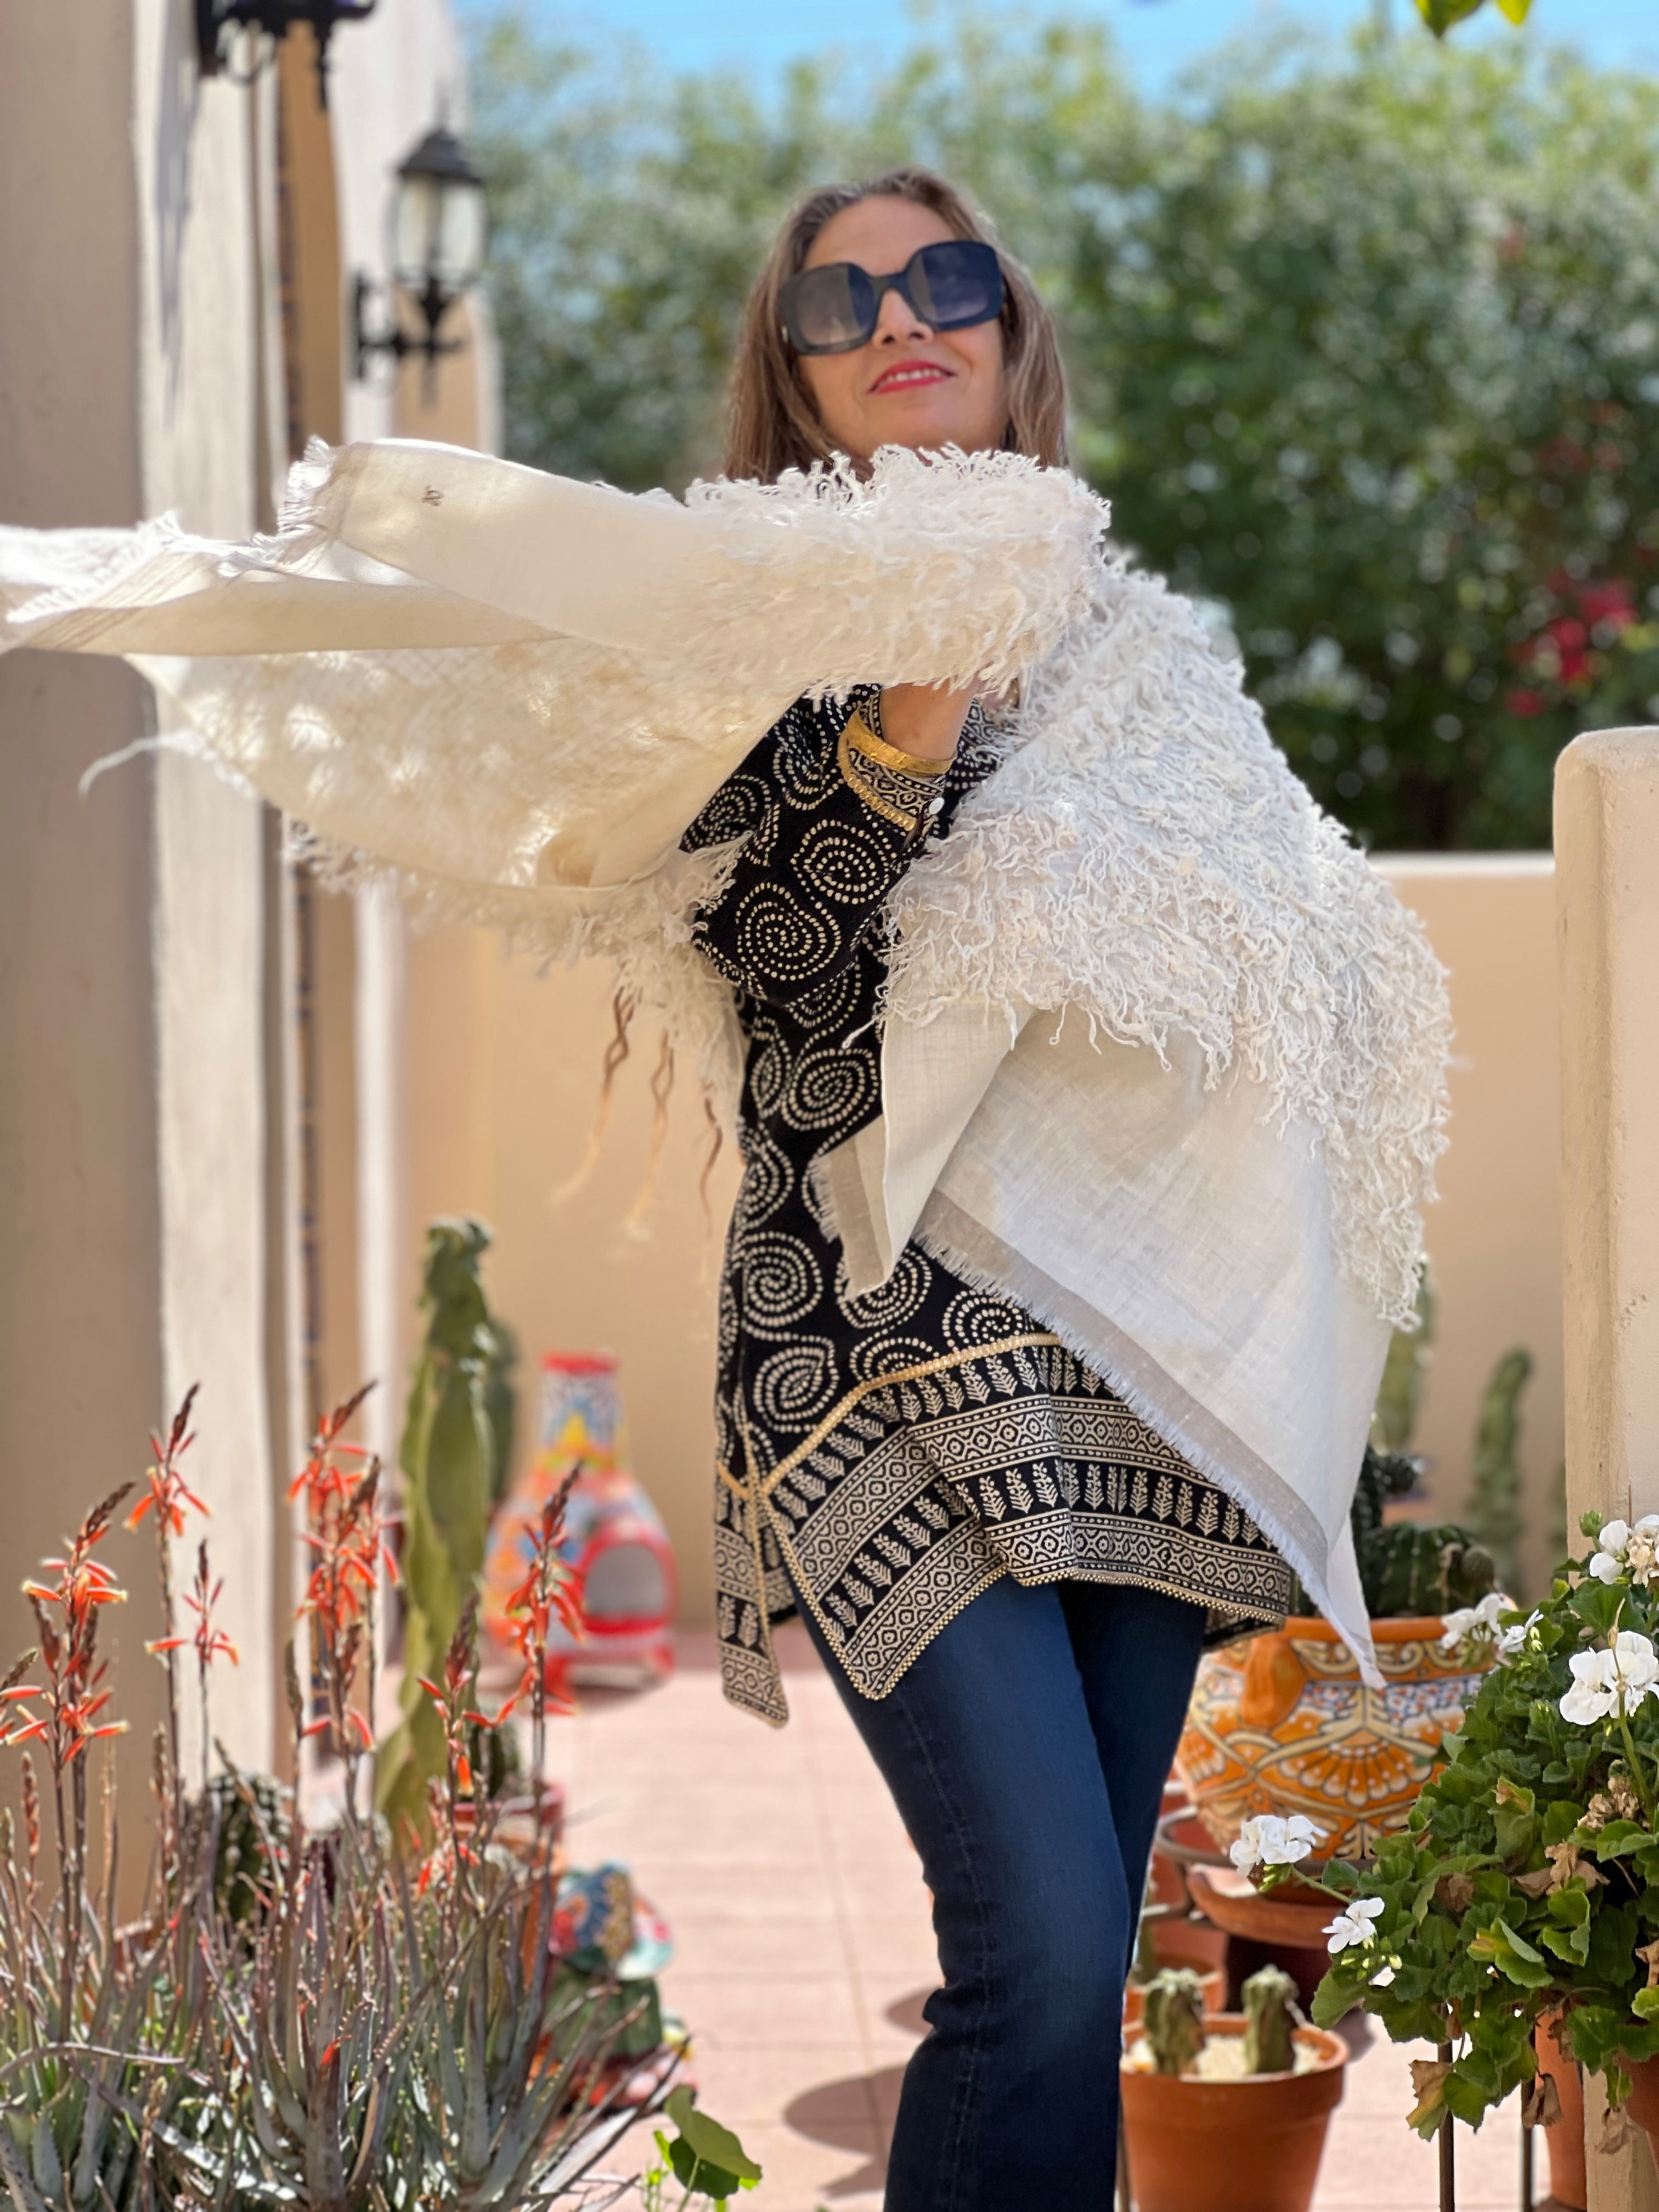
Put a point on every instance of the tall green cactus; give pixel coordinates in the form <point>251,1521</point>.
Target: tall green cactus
<point>1271,2019</point>
<point>1494,1511</point>
<point>448,1455</point>
<point>1174,2019</point>
<point>1394,1418</point>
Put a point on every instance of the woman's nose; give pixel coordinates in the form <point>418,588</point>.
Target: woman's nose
<point>897,321</point>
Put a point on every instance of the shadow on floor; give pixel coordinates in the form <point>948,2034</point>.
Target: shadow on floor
<point>855,2113</point>
<point>847,2116</point>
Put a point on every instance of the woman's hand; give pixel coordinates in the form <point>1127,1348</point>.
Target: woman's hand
<point>924,718</point>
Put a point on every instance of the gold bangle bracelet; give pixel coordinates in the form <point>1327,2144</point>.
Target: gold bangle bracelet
<point>863,739</point>
<point>916,823</point>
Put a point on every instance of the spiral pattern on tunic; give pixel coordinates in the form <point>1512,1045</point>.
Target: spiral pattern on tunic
<point>891,1302</point>
<point>783,937</point>
<point>846,865</point>
<point>890,1355</point>
<point>829,1090</point>
<point>976,1317</point>
<point>768,1181</point>
<point>781,1283</point>
<point>792,1387</point>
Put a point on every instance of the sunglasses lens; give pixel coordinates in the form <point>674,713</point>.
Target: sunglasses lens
<point>832,309</point>
<point>957,282</point>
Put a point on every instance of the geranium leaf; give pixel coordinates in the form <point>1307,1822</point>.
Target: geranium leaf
<point>1617,1837</point>
<point>1335,1998</point>
<point>1512,1955</point>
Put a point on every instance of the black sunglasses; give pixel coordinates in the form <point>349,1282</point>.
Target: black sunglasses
<point>949,285</point>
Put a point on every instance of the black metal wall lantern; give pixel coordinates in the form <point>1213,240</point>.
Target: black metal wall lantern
<point>437,249</point>
<point>217,22</point>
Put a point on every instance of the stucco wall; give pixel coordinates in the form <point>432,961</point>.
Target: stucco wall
<point>80,1334</point>
<point>1494,1240</point>
<point>503,1087</point>
<point>199,178</point>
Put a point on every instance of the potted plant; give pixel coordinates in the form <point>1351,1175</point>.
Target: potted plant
<point>1524,1891</point>
<point>1282,1723</point>
<point>332,2019</point>
<point>1168,1940</point>
<point>1227,2112</point>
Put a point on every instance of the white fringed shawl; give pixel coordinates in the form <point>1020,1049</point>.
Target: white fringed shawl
<point>1163,1057</point>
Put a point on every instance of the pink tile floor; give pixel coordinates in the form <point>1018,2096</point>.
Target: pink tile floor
<point>804,1952</point>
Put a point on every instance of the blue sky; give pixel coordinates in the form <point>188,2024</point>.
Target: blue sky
<point>1158,37</point>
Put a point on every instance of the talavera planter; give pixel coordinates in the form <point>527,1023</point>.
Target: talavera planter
<point>1283,1724</point>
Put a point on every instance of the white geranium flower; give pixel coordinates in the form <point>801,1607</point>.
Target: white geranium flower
<point>1265,1839</point>
<point>1642,1552</point>
<point>1382,1977</point>
<point>1608,1560</point>
<point>1512,1639</point>
<point>1611,1682</point>
<point>1355,1926</point>
<point>1470,1622</point>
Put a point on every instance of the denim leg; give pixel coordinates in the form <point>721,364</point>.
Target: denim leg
<point>1136,1652</point>
<point>988,1745</point>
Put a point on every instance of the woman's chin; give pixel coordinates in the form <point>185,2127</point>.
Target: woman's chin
<point>925,429</point>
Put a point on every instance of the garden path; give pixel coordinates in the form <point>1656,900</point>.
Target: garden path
<point>804,1952</point>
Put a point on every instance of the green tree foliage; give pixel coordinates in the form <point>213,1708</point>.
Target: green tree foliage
<point>1365,347</point>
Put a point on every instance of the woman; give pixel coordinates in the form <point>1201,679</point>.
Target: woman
<point>1128,1036</point>
<point>1009,1575</point>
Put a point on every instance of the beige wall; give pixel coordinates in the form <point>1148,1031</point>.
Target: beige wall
<point>200,179</point>
<point>504,1082</point>
<point>503,1070</point>
<point>132,1209</point>
<point>1494,1240</point>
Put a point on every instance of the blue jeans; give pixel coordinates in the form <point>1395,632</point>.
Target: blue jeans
<point>1026,1750</point>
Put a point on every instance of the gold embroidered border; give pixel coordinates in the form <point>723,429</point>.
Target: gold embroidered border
<point>862,1390</point>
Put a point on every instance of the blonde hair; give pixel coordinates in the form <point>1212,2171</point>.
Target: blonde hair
<point>771,422</point>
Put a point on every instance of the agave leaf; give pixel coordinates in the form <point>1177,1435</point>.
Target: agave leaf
<point>43,2159</point>
<point>449,2072</point>
<point>24,2195</point>
<point>325,2152</point>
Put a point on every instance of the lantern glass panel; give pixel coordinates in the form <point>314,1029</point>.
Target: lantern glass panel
<point>438,232</point>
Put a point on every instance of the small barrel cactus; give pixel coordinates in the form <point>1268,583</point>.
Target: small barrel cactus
<point>1271,2019</point>
<point>1406,1568</point>
<point>1174,2019</point>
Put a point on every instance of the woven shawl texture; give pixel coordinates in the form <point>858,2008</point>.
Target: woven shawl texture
<point>512,693</point>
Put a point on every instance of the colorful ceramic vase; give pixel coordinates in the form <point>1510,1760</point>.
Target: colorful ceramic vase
<point>614,1536</point>
<point>1282,1723</point>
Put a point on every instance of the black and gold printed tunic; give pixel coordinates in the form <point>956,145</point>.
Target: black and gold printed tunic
<point>888,1457</point>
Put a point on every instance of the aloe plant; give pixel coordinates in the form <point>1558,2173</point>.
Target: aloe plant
<point>296,2021</point>
<point>449,1456</point>
<point>1271,2020</point>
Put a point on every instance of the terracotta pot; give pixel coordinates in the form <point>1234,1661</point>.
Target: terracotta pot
<point>1565,2141</point>
<point>1215,1995</point>
<point>1168,1884</point>
<point>1643,2106</point>
<point>1247,2146</point>
<point>1283,1724</point>
<point>1181,1941</point>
